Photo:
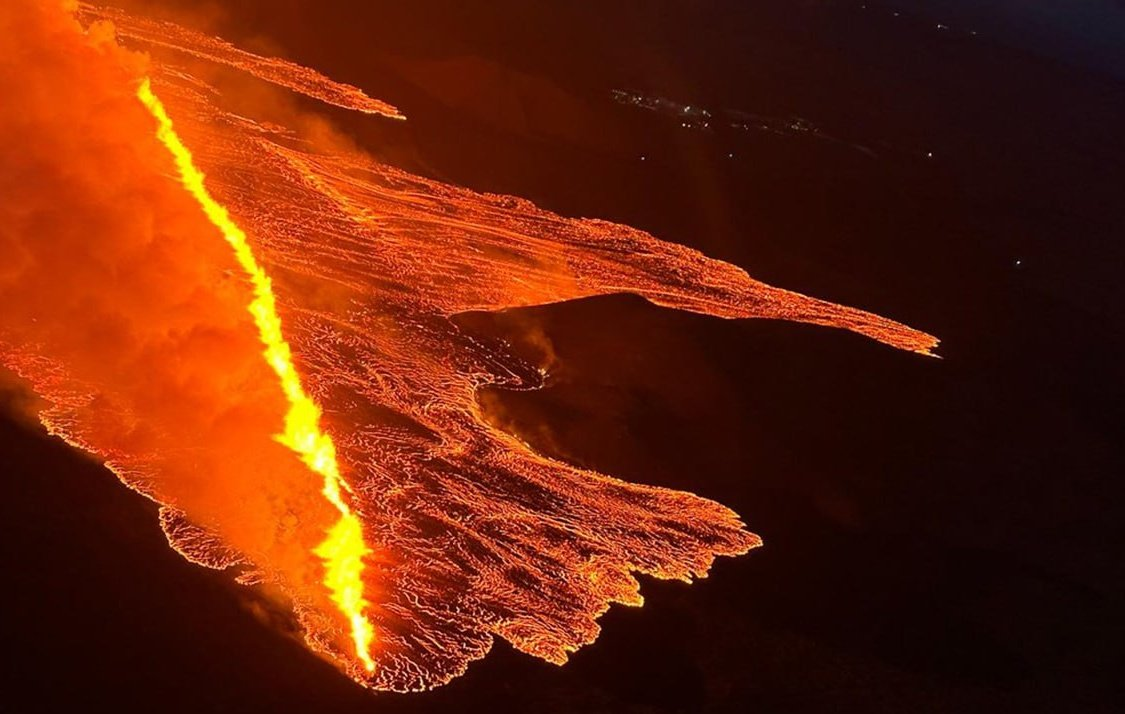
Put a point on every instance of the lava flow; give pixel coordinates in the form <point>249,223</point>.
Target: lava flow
<point>125,311</point>
<point>343,550</point>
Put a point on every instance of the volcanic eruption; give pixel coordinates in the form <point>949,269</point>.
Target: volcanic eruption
<point>253,328</point>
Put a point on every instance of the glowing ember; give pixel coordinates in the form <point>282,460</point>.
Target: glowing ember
<point>117,308</point>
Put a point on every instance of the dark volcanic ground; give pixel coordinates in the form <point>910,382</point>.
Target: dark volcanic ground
<point>938,532</point>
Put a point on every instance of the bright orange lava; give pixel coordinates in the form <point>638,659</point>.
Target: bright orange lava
<point>344,549</point>
<point>125,325</point>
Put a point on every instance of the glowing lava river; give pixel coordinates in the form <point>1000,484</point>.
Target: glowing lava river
<point>252,325</point>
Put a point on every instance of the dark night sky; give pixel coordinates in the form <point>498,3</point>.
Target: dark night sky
<point>1088,32</point>
<point>938,532</point>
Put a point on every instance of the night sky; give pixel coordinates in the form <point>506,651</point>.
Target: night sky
<point>939,533</point>
<point>1086,32</point>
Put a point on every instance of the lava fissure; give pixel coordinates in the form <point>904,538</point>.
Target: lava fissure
<point>344,548</point>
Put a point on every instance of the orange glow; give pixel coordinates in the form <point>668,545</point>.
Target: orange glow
<point>117,308</point>
<point>344,548</point>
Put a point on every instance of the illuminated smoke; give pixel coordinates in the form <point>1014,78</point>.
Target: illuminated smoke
<point>125,311</point>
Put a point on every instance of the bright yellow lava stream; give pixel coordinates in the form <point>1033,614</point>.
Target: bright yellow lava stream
<point>343,550</point>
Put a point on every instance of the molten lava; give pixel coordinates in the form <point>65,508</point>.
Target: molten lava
<point>343,550</point>
<point>117,308</point>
